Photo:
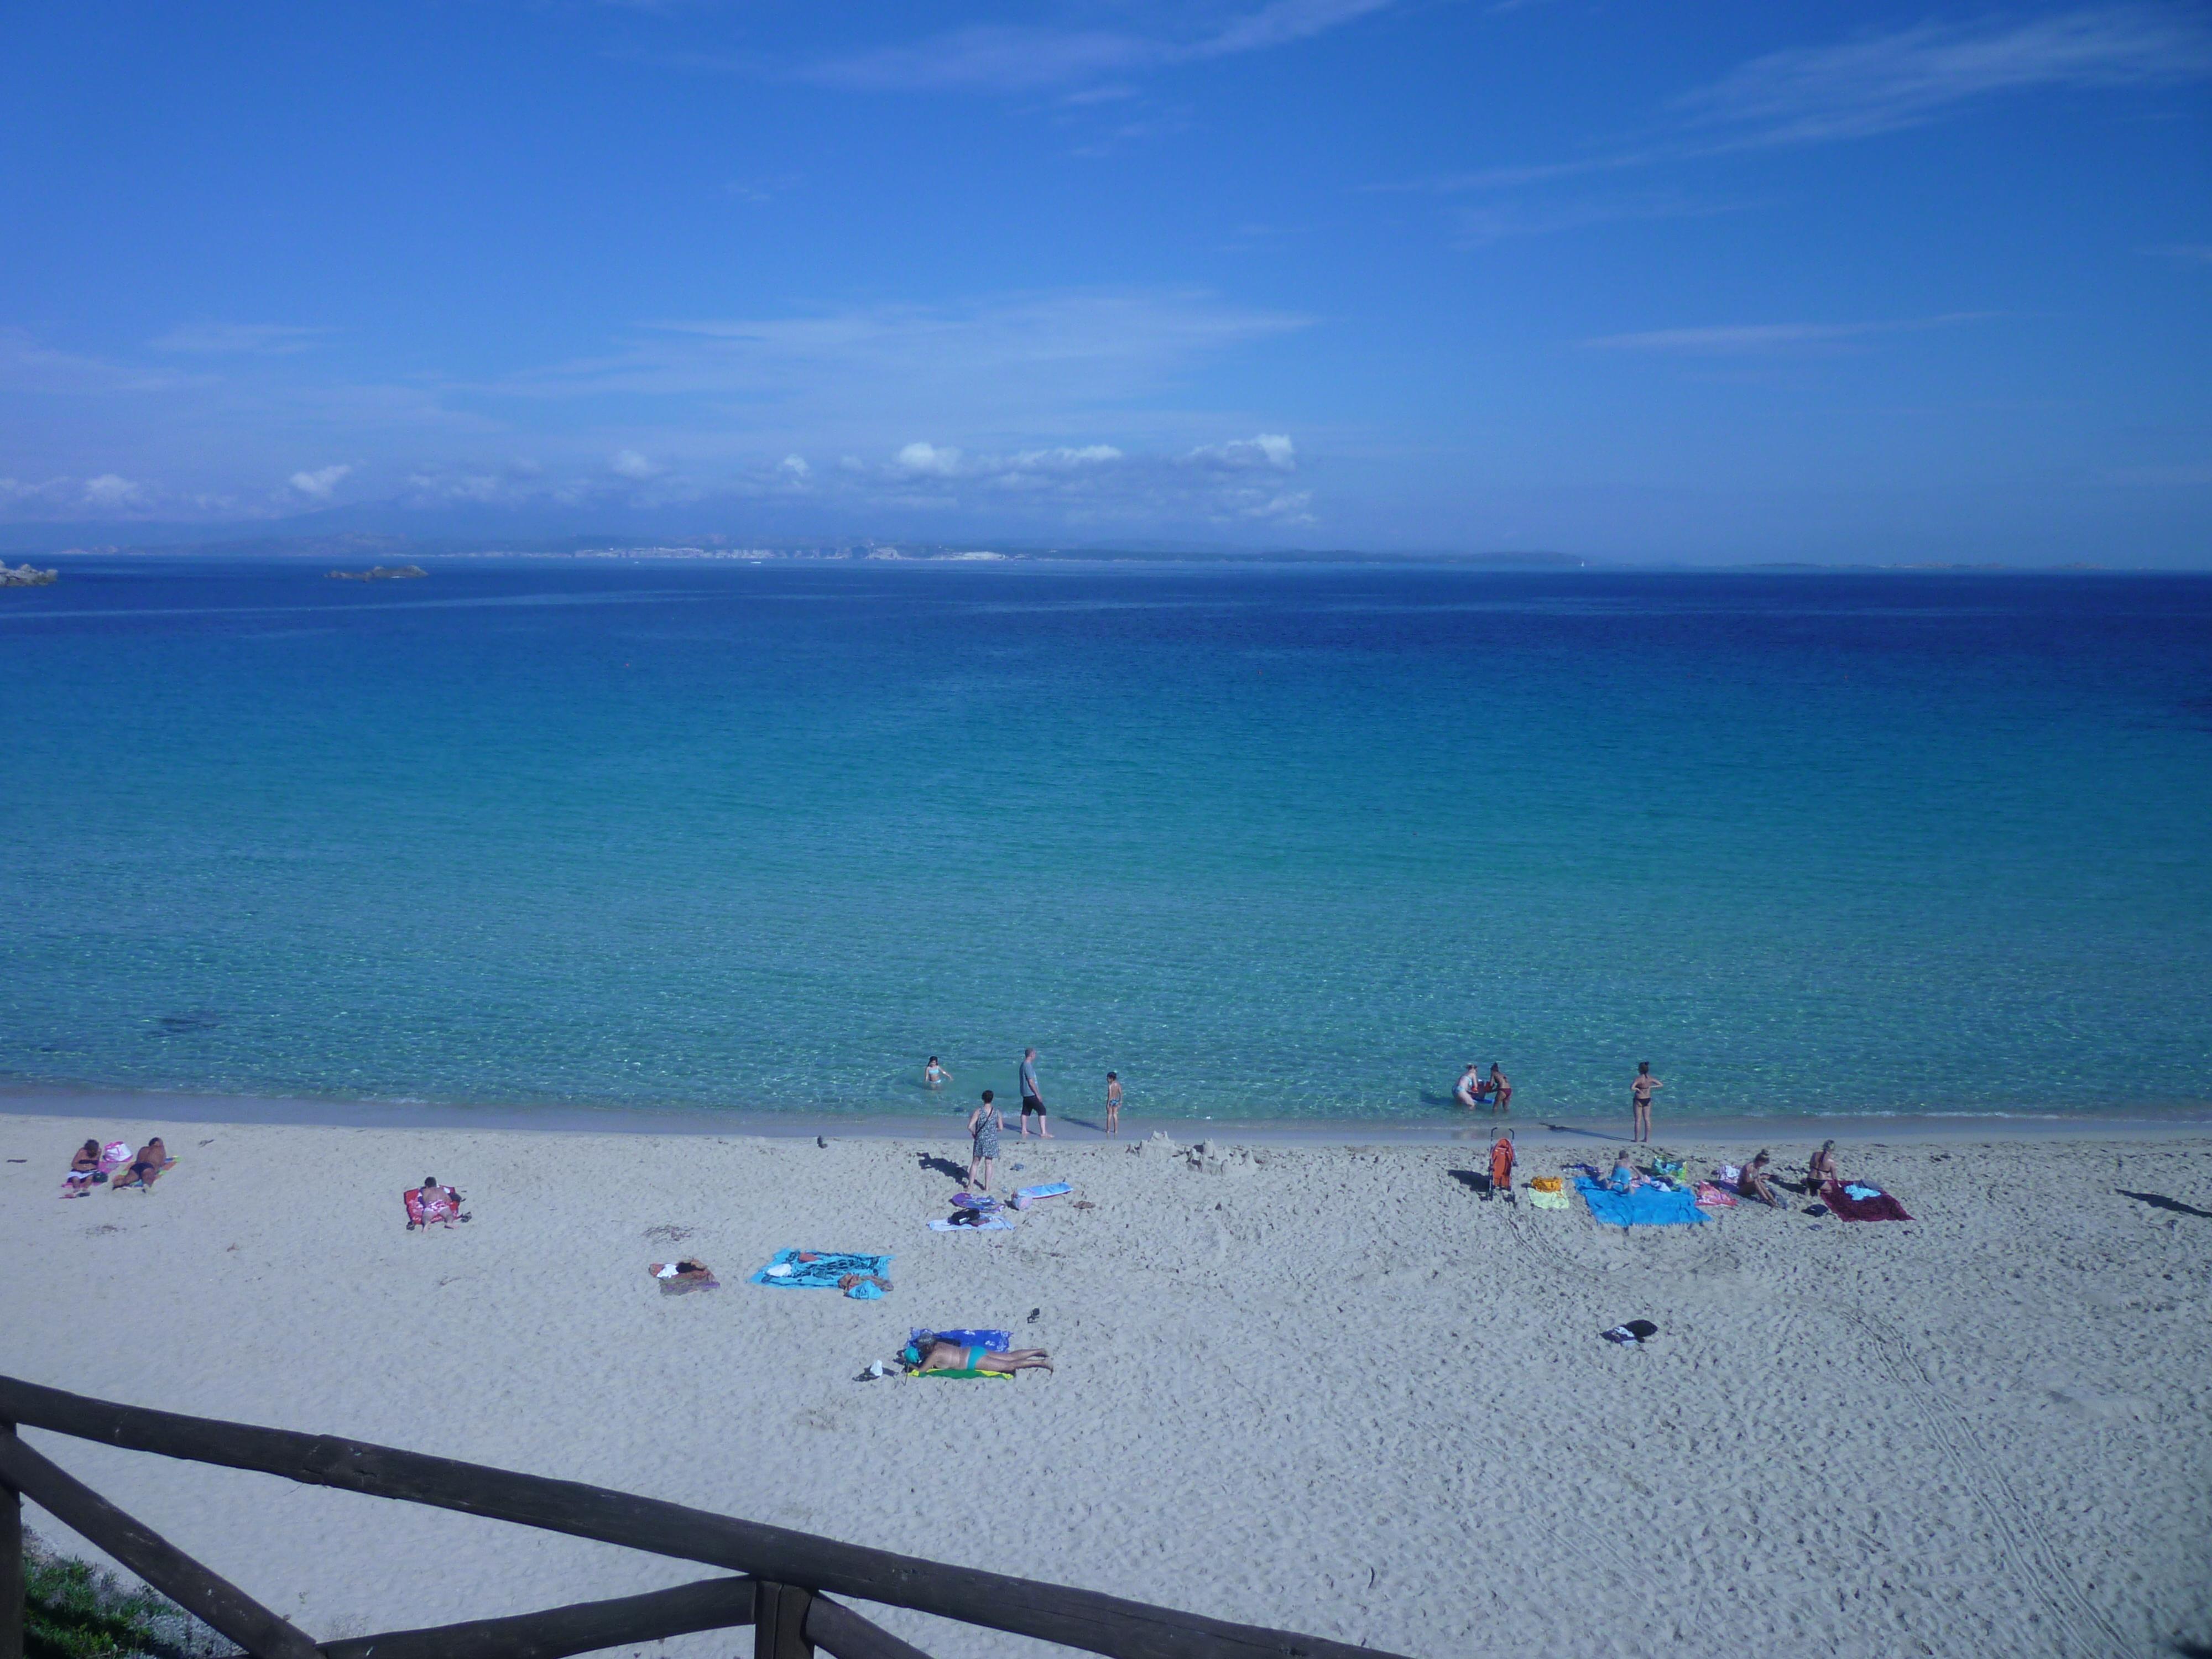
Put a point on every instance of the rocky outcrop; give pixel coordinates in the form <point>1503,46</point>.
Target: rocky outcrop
<point>23,576</point>
<point>382,573</point>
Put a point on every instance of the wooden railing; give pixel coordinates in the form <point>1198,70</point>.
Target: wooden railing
<point>784,1590</point>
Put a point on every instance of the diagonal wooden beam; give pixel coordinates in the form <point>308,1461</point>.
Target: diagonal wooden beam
<point>844,1634</point>
<point>556,1632</point>
<point>12,1563</point>
<point>151,1556</point>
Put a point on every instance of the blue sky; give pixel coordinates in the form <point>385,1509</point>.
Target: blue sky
<point>1709,282</point>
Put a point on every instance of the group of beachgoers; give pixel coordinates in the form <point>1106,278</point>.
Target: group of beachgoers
<point>115,1167</point>
<point>1754,1181</point>
<point>1474,1090</point>
<point>988,1121</point>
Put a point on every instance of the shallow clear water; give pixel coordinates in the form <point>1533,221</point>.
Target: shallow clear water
<point>1271,843</point>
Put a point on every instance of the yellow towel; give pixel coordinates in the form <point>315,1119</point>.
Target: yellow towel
<point>1548,1184</point>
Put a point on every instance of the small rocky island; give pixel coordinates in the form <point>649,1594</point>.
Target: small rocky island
<point>382,573</point>
<point>23,576</point>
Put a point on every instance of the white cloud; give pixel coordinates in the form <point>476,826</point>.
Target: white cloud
<point>629,463</point>
<point>1020,59</point>
<point>318,483</point>
<point>1748,339</point>
<point>795,465</point>
<point>112,493</point>
<point>1880,83</point>
<point>919,459</point>
<point>1269,449</point>
<point>236,338</point>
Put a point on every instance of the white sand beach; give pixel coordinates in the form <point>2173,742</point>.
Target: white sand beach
<point>1324,1389</point>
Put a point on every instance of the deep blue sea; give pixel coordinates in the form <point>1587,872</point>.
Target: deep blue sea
<point>1273,842</point>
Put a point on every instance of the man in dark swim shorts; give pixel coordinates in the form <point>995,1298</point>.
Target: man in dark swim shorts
<point>1031,1100</point>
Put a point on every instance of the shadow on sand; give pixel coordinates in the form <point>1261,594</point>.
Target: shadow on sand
<point>2160,1201</point>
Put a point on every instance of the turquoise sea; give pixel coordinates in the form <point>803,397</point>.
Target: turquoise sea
<point>1288,841</point>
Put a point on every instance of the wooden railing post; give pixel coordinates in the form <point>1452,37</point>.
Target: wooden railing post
<point>13,1613</point>
<point>780,1621</point>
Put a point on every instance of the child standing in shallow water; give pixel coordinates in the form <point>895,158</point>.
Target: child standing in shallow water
<point>1113,1103</point>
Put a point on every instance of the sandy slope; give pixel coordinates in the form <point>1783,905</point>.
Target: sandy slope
<point>1328,1390</point>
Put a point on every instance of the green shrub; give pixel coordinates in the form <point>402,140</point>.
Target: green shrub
<point>72,1610</point>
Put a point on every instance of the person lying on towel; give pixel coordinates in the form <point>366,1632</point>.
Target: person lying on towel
<point>959,1357</point>
<point>146,1168</point>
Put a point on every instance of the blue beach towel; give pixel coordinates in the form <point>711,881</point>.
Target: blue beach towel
<point>820,1275</point>
<point>989,1342</point>
<point>1644,1206</point>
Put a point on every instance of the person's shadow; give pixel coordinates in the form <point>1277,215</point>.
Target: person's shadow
<point>1474,1180</point>
<point>944,1166</point>
<point>2160,1201</point>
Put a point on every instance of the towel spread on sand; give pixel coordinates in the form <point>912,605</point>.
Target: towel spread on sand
<point>820,1274</point>
<point>1718,1198</point>
<point>1881,1207</point>
<point>1640,1207</point>
<point>1547,1184</point>
<point>1549,1200</point>
<point>963,1377</point>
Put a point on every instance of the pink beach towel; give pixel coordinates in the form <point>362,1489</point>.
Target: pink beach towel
<point>1714,1197</point>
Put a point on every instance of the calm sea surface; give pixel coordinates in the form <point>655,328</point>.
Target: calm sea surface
<point>1280,843</point>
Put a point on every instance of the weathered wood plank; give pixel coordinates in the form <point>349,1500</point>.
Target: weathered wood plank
<point>151,1556</point>
<point>12,1563</point>
<point>844,1634</point>
<point>556,1632</point>
<point>780,1622</point>
<point>1074,1618</point>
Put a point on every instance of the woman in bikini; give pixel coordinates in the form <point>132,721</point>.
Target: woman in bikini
<point>1754,1182</point>
<point>960,1357</point>
<point>82,1167</point>
<point>1822,1167</point>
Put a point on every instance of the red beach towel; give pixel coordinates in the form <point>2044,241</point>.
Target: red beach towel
<point>1881,1207</point>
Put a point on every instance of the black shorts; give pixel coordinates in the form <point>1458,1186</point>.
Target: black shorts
<point>1031,1104</point>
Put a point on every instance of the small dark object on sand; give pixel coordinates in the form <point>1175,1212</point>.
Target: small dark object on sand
<point>1635,1331</point>
<point>1036,1314</point>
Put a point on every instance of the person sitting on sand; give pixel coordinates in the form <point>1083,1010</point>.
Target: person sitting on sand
<point>1501,1165</point>
<point>960,1357</point>
<point>146,1169</point>
<point>1754,1182</point>
<point>984,1123</point>
<point>1822,1167</point>
<point>934,1076</point>
<point>1501,1089</point>
<point>84,1167</point>
<point>1468,1089</point>
<point>1623,1176</point>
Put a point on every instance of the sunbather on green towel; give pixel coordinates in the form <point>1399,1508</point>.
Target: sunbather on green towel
<point>959,1357</point>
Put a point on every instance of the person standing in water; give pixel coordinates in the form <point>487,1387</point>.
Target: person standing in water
<point>1469,1088</point>
<point>934,1076</point>
<point>1031,1100</point>
<point>1501,1089</point>
<point>1113,1103</point>
<point>1639,1098</point>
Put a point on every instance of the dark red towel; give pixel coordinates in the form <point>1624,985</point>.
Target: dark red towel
<point>1880,1208</point>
